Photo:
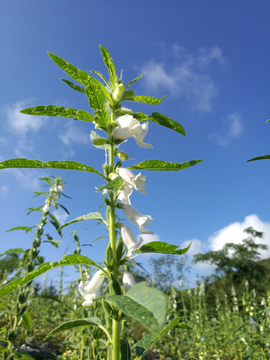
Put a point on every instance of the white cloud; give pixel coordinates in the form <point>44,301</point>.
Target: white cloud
<point>23,147</point>
<point>21,123</point>
<point>73,134</point>
<point>27,179</point>
<point>4,190</point>
<point>61,216</point>
<point>189,78</point>
<point>147,238</point>
<point>235,128</point>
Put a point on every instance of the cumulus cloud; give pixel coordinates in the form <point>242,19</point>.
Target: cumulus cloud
<point>60,215</point>
<point>147,238</point>
<point>27,179</point>
<point>21,123</point>
<point>73,134</point>
<point>233,131</point>
<point>4,190</point>
<point>189,78</point>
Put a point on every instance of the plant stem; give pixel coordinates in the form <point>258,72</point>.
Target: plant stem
<point>116,340</point>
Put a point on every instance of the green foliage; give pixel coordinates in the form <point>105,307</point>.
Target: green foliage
<point>159,165</point>
<point>91,216</point>
<point>263,157</point>
<point>161,248</point>
<point>147,99</point>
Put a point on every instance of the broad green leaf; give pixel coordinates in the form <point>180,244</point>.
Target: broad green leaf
<point>36,164</point>
<point>52,110</point>
<point>147,99</point>
<point>25,228</point>
<point>27,320</point>
<point>263,157</point>
<point>70,69</point>
<point>112,185</point>
<point>66,260</point>
<point>79,323</point>
<point>109,64</point>
<point>11,251</point>
<point>73,86</point>
<point>90,216</point>
<point>94,93</point>
<point>146,304</point>
<point>150,339</point>
<point>162,248</point>
<point>134,80</point>
<point>127,95</point>
<point>165,121</point>
<point>159,165</point>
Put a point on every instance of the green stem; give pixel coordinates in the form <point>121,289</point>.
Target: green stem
<point>116,340</point>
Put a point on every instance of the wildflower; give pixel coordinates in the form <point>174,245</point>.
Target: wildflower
<point>261,329</point>
<point>246,283</point>
<point>58,188</point>
<point>46,208</point>
<point>118,91</point>
<point>244,341</point>
<point>136,181</point>
<point>252,323</point>
<point>175,305</point>
<point>128,281</point>
<point>88,289</point>
<point>138,219</point>
<point>262,302</point>
<point>267,344</point>
<point>128,239</point>
<point>181,282</point>
<point>127,126</point>
<point>123,195</point>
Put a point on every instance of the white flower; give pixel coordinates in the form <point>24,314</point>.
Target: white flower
<point>261,329</point>
<point>58,188</point>
<point>88,289</point>
<point>136,181</point>
<point>138,219</point>
<point>123,195</point>
<point>128,239</point>
<point>252,323</point>
<point>128,281</point>
<point>46,208</point>
<point>128,126</point>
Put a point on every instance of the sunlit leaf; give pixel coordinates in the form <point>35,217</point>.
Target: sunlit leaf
<point>109,64</point>
<point>147,99</point>
<point>134,80</point>
<point>52,110</point>
<point>11,251</point>
<point>28,320</point>
<point>70,69</point>
<point>113,185</point>
<point>36,164</point>
<point>159,165</point>
<point>90,216</point>
<point>100,75</point>
<point>146,304</point>
<point>263,157</point>
<point>25,228</point>
<point>162,248</point>
<point>74,87</point>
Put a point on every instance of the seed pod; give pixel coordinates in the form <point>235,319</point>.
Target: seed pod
<point>119,249</point>
<point>115,287</point>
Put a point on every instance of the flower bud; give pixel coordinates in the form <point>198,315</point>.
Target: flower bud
<point>118,91</point>
<point>128,281</point>
<point>122,155</point>
<point>100,141</point>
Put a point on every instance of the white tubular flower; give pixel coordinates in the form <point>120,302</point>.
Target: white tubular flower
<point>46,208</point>
<point>123,195</point>
<point>138,219</point>
<point>128,281</point>
<point>136,181</point>
<point>128,126</point>
<point>128,239</point>
<point>88,289</point>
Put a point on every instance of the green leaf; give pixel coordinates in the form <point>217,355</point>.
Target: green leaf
<point>53,242</point>
<point>147,99</point>
<point>25,228</point>
<point>162,248</point>
<point>11,251</point>
<point>53,298</point>
<point>109,64</point>
<point>78,323</point>
<point>159,165</point>
<point>113,185</point>
<point>95,136</point>
<point>167,122</point>
<point>90,216</point>
<point>52,110</point>
<point>150,339</point>
<point>74,87</point>
<point>36,164</point>
<point>125,351</point>
<point>94,93</point>
<point>100,75</point>
<point>263,157</point>
<point>66,260</point>
<point>133,81</point>
<point>28,320</point>
<point>146,304</point>
<point>70,69</point>
<point>63,207</point>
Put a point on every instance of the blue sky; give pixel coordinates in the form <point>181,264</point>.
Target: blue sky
<point>210,58</point>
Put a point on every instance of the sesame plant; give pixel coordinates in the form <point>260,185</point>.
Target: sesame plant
<point>124,299</point>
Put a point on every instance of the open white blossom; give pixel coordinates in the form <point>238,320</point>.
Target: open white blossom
<point>136,181</point>
<point>128,239</point>
<point>46,208</point>
<point>89,288</point>
<point>139,220</point>
<point>128,281</point>
<point>123,195</point>
<point>127,127</point>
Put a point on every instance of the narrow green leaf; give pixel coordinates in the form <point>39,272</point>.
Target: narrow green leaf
<point>149,340</point>
<point>263,157</point>
<point>34,209</point>
<point>113,185</point>
<point>25,228</point>
<point>64,208</point>
<point>147,99</point>
<point>28,320</point>
<point>268,120</point>
<point>109,64</point>
<point>125,351</point>
<point>146,304</point>
<point>11,251</point>
<point>53,242</point>
<point>52,110</point>
<point>90,216</point>
<point>74,87</point>
<point>78,323</point>
<point>67,260</point>
<point>36,164</point>
<point>159,165</point>
<point>100,75</point>
<point>70,69</point>
<point>167,122</point>
<point>134,80</point>
<point>162,248</point>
